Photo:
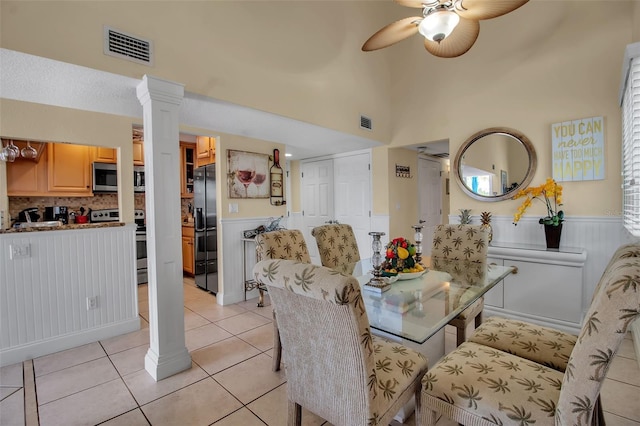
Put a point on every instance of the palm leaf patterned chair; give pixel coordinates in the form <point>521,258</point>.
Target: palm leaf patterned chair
<point>337,246</point>
<point>543,345</point>
<point>480,385</point>
<point>335,367</point>
<point>281,244</point>
<point>461,243</point>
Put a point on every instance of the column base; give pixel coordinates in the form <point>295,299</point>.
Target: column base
<point>167,365</point>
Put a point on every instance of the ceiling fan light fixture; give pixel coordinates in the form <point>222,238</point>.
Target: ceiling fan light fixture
<point>438,24</point>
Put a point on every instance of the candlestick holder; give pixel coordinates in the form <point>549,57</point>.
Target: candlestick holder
<point>418,239</point>
<point>376,260</point>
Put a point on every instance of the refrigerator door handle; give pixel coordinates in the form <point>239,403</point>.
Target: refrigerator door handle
<point>199,220</point>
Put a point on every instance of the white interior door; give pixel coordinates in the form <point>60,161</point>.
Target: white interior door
<point>317,200</point>
<point>352,187</point>
<point>430,198</point>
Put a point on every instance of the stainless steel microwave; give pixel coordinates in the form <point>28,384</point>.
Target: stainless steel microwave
<point>105,178</point>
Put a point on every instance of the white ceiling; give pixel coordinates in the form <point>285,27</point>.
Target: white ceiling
<point>35,79</point>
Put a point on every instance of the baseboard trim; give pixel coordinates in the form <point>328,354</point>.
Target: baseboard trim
<point>60,343</point>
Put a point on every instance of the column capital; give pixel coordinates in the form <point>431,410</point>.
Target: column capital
<point>157,89</point>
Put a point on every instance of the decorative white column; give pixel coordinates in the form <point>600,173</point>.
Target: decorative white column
<point>167,353</point>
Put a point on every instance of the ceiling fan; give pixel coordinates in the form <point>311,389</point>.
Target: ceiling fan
<point>449,27</point>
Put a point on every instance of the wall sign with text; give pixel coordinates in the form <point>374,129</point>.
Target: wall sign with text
<point>578,149</point>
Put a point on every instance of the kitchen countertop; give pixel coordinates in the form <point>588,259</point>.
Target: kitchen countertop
<point>64,227</point>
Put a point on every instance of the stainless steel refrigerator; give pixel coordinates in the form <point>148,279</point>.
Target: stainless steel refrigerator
<point>206,235</point>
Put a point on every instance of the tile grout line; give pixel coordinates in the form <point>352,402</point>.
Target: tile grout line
<point>31,415</point>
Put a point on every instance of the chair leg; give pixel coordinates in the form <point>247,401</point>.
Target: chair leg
<point>277,345</point>
<point>478,319</point>
<point>294,417</point>
<point>461,334</point>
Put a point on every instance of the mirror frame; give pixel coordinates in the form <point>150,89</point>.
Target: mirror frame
<point>519,136</point>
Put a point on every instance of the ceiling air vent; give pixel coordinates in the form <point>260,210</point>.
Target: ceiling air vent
<point>125,46</point>
<point>365,123</point>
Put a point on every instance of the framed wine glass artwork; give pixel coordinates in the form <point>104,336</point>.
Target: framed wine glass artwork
<point>247,174</point>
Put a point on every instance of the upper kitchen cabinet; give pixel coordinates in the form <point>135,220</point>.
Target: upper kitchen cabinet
<point>187,164</point>
<point>26,177</point>
<point>69,168</point>
<point>206,150</point>
<point>105,155</point>
<point>138,153</point>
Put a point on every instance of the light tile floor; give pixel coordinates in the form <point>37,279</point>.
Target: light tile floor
<point>230,381</point>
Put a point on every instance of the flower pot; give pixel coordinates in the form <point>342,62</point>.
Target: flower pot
<point>552,234</point>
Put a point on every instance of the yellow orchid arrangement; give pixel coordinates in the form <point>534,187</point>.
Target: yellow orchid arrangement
<point>549,193</point>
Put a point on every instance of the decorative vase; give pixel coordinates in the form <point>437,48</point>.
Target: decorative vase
<point>489,229</point>
<point>552,234</point>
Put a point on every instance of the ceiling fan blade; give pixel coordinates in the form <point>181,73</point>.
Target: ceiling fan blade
<point>458,43</point>
<point>486,9</point>
<point>392,33</point>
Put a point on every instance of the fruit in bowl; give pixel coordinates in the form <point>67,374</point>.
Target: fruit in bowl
<point>399,257</point>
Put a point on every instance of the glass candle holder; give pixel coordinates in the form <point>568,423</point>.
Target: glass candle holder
<point>418,239</point>
<point>376,259</point>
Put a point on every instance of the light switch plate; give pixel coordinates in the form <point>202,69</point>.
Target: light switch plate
<point>233,207</point>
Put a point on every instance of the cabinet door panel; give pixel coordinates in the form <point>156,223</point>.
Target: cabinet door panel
<point>105,155</point>
<point>138,153</point>
<point>550,291</point>
<point>69,168</point>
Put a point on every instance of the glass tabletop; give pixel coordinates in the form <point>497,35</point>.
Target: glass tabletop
<point>416,309</point>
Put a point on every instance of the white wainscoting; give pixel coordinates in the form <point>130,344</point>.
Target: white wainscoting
<point>230,256</point>
<point>43,296</point>
<point>599,236</point>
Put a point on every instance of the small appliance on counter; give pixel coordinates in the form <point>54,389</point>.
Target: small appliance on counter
<point>60,213</point>
<point>29,215</point>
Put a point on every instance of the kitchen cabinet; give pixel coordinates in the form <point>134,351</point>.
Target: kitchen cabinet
<point>188,254</point>
<point>26,177</point>
<point>138,153</point>
<point>105,155</point>
<point>187,164</point>
<point>205,150</point>
<point>69,169</point>
<point>547,288</point>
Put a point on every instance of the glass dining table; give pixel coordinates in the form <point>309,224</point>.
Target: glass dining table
<point>417,308</point>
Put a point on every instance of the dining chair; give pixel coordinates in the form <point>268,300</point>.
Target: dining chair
<point>335,367</point>
<point>544,345</point>
<point>280,244</point>
<point>480,385</point>
<point>337,246</point>
<point>462,242</point>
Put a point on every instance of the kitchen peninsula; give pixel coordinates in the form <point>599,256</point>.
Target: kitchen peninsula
<point>64,287</point>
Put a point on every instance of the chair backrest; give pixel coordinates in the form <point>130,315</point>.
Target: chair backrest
<point>325,328</point>
<point>460,242</point>
<point>337,246</point>
<point>282,244</point>
<point>615,305</point>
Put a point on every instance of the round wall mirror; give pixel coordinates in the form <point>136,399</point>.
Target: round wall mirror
<point>493,164</point>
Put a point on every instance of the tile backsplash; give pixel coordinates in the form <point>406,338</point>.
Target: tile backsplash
<point>98,201</point>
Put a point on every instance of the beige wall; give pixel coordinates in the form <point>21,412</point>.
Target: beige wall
<point>295,204</point>
<point>636,21</point>
<point>297,59</point>
<point>570,70</point>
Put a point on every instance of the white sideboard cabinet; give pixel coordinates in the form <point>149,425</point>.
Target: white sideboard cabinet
<point>547,288</point>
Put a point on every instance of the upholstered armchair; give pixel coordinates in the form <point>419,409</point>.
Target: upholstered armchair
<point>544,345</point>
<point>480,385</point>
<point>337,246</point>
<point>335,367</point>
<point>282,244</point>
<point>461,243</point>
